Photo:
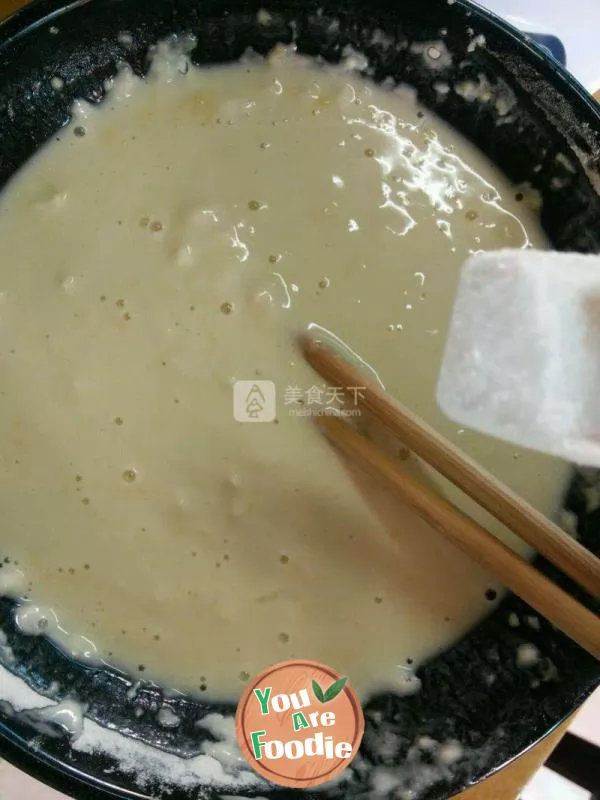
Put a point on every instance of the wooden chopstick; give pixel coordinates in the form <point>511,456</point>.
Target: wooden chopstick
<point>504,504</point>
<point>517,574</point>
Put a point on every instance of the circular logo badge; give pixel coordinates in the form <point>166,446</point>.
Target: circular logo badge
<point>299,723</point>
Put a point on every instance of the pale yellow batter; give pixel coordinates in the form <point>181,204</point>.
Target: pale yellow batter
<point>177,239</point>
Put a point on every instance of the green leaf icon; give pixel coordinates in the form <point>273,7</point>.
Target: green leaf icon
<point>335,689</point>
<point>331,693</point>
<point>318,692</point>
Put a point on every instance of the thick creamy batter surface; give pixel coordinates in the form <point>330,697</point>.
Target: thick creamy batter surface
<point>171,241</point>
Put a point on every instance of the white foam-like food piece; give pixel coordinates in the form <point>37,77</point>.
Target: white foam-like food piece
<point>522,359</point>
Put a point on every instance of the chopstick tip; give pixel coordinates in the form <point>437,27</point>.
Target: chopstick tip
<point>309,344</point>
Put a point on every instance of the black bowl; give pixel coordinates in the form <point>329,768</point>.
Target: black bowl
<point>540,127</point>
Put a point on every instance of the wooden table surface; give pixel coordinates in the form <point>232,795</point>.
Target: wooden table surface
<point>507,783</point>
